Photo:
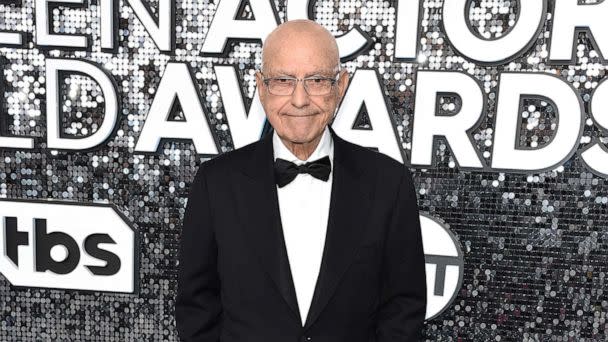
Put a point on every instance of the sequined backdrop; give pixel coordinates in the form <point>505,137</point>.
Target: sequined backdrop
<point>534,244</point>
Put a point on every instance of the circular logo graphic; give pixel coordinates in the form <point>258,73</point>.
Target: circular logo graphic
<point>444,264</point>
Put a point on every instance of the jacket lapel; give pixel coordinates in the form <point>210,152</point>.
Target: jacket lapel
<point>258,206</point>
<point>348,217</point>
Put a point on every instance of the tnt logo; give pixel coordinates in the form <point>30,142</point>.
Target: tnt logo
<point>444,265</point>
<point>66,245</point>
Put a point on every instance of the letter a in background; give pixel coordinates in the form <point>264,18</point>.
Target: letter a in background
<point>570,17</point>
<point>177,86</point>
<point>365,89</point>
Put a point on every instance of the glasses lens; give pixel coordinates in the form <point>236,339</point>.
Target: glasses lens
<point>318,86</point>
<point>281,86</point>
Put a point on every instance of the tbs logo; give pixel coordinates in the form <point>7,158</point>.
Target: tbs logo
<point>66,245</point>
<point>444,265</point>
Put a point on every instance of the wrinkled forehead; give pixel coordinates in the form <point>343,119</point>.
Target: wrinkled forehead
<point>302,51</point>
<point>303,63</point>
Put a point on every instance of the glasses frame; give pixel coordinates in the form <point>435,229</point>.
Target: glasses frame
<point>334,80</point>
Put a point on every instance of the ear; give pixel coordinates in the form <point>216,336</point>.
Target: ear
<point>259,82</point>
<point>342,83</point>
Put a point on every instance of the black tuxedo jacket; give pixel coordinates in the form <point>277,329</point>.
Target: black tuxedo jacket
<point>234,281</point>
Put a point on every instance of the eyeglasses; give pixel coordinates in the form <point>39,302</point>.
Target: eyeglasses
<point>313,85</point>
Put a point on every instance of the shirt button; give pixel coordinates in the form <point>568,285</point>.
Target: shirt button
<point>306,338</point>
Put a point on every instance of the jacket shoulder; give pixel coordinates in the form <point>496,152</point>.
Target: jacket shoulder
<point>376,161</point>
<point>230,160</point>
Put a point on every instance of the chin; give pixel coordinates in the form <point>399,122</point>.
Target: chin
<point>299,138</point>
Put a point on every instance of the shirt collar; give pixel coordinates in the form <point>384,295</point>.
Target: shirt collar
<point>325,147</point>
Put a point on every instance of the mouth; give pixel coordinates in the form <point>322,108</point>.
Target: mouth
<point>300,116</point>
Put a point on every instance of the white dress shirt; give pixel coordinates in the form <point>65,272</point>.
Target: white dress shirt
<point>304,209</point>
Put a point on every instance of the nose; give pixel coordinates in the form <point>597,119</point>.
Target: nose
<point>299,98</point>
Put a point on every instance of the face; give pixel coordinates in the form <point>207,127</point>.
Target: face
<point>300,118</point>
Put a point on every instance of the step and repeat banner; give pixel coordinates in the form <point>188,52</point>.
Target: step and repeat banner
<point>499,108</point>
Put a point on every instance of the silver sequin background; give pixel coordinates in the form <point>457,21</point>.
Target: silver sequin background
<point>534,244</point>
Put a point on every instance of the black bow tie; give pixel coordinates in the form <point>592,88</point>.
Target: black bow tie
<point>285,171</point>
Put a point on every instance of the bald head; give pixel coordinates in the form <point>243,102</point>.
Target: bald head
<point>302,33</point>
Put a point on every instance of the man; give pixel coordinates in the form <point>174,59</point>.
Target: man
<point>273,249</point>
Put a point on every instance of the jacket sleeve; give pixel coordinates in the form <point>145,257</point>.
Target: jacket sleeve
<point>402,308</point>
<point>198,307</point>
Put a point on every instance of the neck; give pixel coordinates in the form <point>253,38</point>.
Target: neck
<point>302,150</point>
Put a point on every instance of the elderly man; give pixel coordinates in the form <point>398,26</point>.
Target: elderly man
<point>301,236</point>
